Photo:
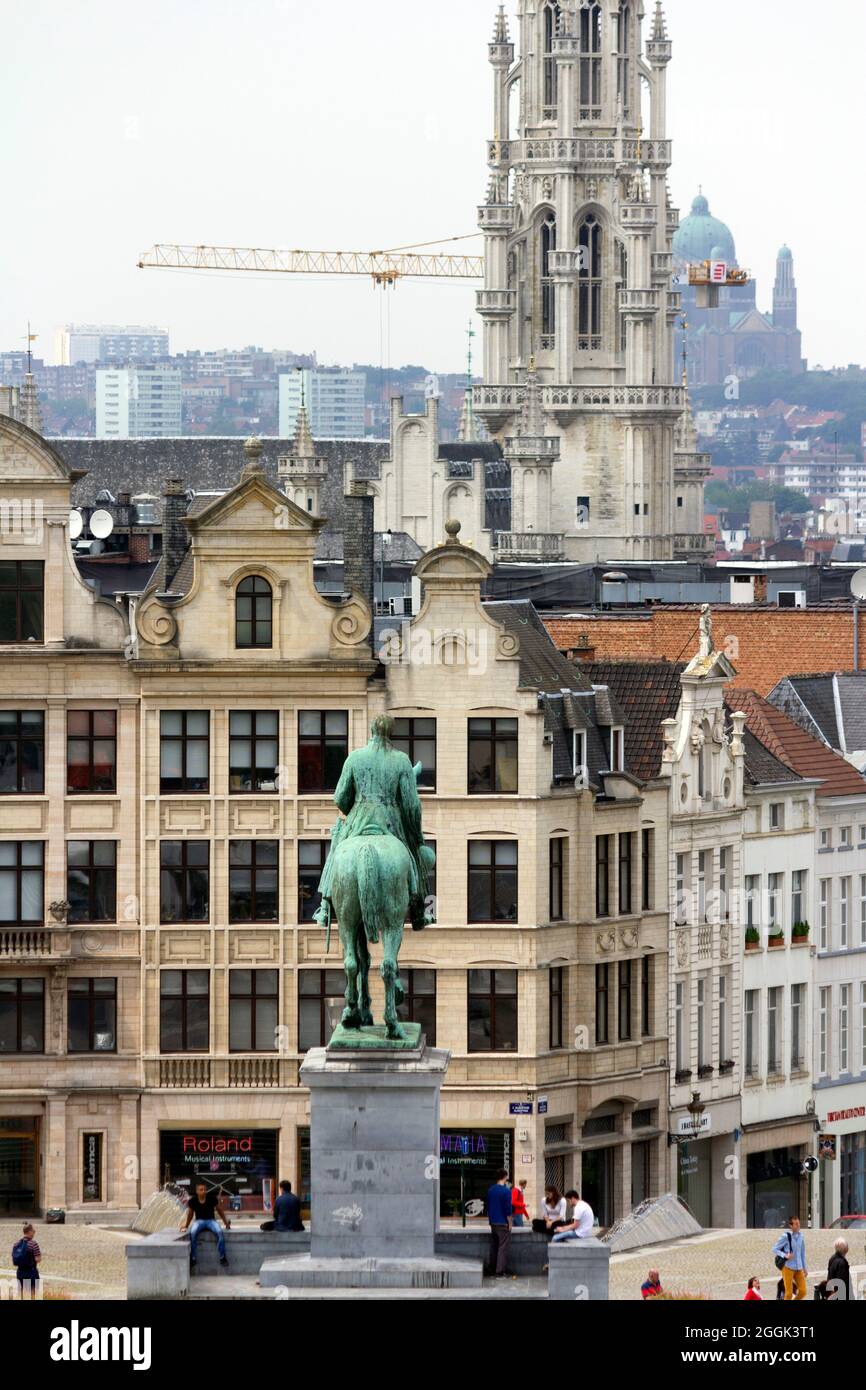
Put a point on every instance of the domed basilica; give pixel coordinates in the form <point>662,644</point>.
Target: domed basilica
<point>735,339</point>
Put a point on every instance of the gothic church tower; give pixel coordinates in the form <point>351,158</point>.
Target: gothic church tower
<point>577,304</point>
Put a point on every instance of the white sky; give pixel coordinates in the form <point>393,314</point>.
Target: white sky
<point>347,125</point>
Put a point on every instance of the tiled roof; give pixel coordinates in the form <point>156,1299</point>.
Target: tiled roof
<point>790,744</point>
<point>647,692</point>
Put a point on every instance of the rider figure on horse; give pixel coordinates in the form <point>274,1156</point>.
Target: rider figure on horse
<point>378,795</point>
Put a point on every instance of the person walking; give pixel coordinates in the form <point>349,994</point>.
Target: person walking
<point>652,1285</point>
<point>581,1220</point>
<point>838,1286</point>
<point>499,1214</point>
<point>553,1213</point>
<point>287,1211</point>
<point>201,1213</point>
<point>753,1292</point>
<point>26,1257</point>
<point>518,1203</point>
<point>790,1253</point>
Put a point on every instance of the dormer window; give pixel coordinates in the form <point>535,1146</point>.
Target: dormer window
<point>254,613</point>
<point>617,750</point>
<point>578,755</point>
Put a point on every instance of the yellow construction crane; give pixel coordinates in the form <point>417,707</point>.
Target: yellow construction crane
<point>384,267</point>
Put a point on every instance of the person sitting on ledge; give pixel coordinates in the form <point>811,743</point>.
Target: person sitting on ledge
<point>287,1211</point>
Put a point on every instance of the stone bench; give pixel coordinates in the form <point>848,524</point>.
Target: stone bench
<point>157,1266</point>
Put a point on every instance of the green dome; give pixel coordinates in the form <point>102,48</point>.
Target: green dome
<point>785,254</point>
<point>702,237</point>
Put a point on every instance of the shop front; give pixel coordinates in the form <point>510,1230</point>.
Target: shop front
<point>705,1145</point>
<point>19,1165</point>
<point>469,1160</point>
<point>776,1189</point>
<point>240,1162</point>
<point>842,1157</point>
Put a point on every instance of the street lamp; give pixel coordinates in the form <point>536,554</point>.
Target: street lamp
<point>696,1109</point>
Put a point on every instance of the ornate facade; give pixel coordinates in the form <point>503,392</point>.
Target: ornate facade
<point>578,305</point>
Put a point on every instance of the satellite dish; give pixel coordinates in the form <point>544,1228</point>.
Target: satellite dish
<point>76,525</point>
<point>858,584</point>
<point>101,524</point>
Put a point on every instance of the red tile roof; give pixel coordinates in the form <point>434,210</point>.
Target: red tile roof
<point>794,747</point>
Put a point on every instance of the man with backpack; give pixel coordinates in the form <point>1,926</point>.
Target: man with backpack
<point>26,1256</point>
<point>790,1258</point>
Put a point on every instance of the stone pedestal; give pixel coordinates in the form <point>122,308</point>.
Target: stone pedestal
<point>374,1165</point>
<point>579,1270</point>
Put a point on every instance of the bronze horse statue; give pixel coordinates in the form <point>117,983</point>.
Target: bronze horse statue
<point>376,871</point>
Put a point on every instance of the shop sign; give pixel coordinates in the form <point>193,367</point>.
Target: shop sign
<point>858,1113</point>
<point>199,1146</point>
<point>520,1107</point>
<point>686,1124</point>
<point>826,1146</point>
<point>92,1167</point>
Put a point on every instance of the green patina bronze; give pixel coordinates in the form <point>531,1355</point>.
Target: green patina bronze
<point>375,874</point>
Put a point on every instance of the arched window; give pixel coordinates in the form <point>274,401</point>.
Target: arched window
<point>589,89</point>
<point>589,238</point>
<point>254,626</point>
<point>550,22</point>
<point>548,289</point>
<point>623,49</point>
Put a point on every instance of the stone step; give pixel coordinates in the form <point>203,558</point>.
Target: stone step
<point>374,1272</point>
<point>241,1289</point>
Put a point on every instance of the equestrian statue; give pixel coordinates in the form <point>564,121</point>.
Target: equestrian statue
<point>376,873</point>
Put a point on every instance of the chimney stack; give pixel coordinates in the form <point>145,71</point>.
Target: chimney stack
<point>358,542</point>
<point>175,537</point>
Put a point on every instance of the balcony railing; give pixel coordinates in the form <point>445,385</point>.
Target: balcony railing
<point>508,399</point>
<point>531,545</point>
<point>24,944</point>
<point>254,1071</point>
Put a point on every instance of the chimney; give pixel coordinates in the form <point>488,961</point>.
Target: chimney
<point>358,542</point>
<point>175,537</point>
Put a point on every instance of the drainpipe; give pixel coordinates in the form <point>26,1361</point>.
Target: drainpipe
<point>856,634</point>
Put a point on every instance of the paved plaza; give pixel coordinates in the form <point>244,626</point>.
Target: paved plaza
<point>88,1262</point>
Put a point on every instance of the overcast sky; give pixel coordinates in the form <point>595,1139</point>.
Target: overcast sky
<point>341,125</point>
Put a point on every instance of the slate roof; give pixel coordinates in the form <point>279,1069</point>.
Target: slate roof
<point>798,750</point>
<point>542,665</point>
<point>823,699</point>
<point>647,692</point>
<point>763,768</point>
<point>116,579</point>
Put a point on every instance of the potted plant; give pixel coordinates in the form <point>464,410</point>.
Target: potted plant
<point>800,934</point>
<point>753,939</point>
<point>776,938</point>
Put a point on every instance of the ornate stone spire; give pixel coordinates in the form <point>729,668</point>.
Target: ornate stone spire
<point>500,28</point>
<point>31,411</point>
<point>466,428</point>
<point>659,33</point>
<point>302,443</point>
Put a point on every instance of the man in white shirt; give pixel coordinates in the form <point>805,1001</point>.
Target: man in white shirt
<point>580,1227</point>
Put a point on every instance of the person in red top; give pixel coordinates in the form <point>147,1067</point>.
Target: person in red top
<point>652,1285</point>
<point>518,1203</point>
<point>753,1292</point>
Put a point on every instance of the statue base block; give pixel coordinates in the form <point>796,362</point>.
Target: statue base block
<point>375,1039</point>
<point>308,1272</point>
<point>374,1170</point>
